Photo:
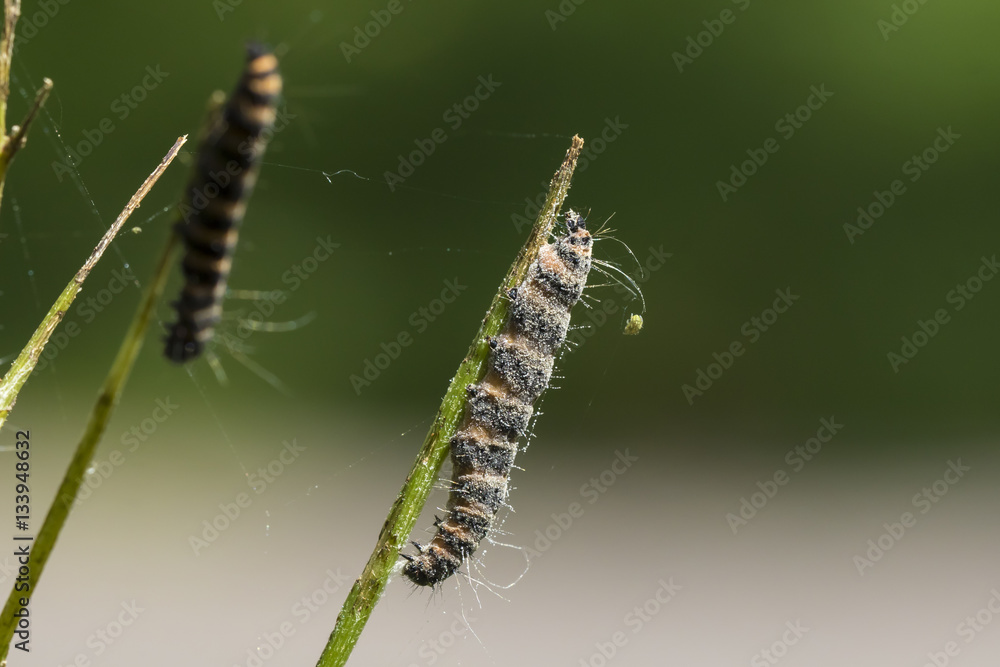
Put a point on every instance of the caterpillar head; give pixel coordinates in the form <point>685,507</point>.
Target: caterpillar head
<point>577,245</point>
<point>574,221</point>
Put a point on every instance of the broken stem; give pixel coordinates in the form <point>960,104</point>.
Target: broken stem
<point>25,362</point>
<point>19,133</point>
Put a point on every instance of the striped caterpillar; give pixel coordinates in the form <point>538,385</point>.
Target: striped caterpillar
<point>500,406</point>
<point>216,200</point>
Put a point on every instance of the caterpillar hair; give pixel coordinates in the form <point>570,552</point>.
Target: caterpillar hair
<point>500,406</point>
<point>216,199</point>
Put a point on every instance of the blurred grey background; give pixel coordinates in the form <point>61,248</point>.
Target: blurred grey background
<point>741,138</point>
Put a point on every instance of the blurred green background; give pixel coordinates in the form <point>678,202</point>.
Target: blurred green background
<point>688,111</point>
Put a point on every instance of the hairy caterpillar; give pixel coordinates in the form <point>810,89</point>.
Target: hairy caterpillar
<point>500,406</point>
<point>216,200</point>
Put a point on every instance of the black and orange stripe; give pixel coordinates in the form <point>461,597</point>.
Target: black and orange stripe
<point>500,406</point>
<point>216,199</point>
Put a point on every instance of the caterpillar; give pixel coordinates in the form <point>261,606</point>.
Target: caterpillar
<point>500,406</point>
<point>216,199</point>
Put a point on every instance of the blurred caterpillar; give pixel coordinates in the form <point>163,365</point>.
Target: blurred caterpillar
<point>216,200</point>
<point>500,406</point>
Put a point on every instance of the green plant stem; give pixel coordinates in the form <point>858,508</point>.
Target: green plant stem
<point>368,589</point>
<point>25,362</point>
<point>11,12</point>
<point>107,400</point>
<point>19,133</point>
<point>10,145</point>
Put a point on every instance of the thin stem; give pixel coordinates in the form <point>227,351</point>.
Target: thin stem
<point>19,133</point>
<point>107,400</point>
<point>9,146</point>
<point>368,589</point>
<point>11,12</point>
<point>25,362</point>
